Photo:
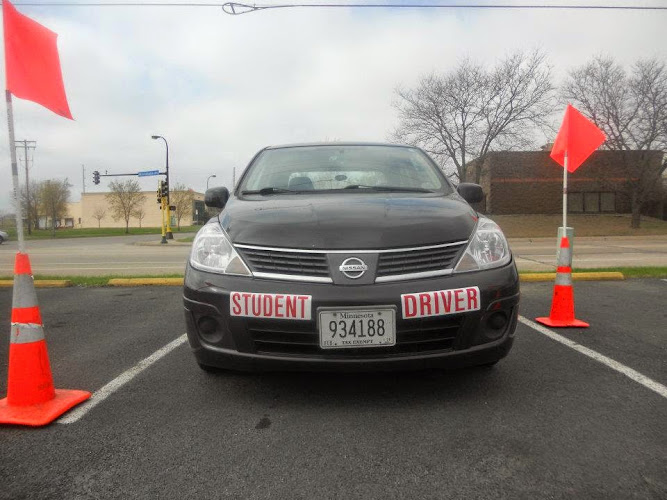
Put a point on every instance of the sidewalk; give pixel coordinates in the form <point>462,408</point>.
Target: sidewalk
<point>539,254</point>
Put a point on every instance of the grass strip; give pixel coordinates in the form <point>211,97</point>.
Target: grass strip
<point>628,272</point>
<point>88,281</point>
<point>146,282</point>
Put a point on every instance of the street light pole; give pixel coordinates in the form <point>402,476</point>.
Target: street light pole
<point>209,178</point>
<point>170,235</point>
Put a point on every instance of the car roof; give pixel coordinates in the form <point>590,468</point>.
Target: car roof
<point>338,143</point>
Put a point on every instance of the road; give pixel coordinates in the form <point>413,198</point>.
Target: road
<point>142,254</point>
<point>110,255</point>
<point>546,422</point>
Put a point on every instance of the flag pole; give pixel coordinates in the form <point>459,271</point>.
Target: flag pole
<point>565,195</point>
<point>15,172</point>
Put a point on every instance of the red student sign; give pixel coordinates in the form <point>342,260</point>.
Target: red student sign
<point>578,137</point>
<point>32,64</point>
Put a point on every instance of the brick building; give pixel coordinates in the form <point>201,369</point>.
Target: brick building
<point>530,182</point>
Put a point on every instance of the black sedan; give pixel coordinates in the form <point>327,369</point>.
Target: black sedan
<point>348,256</point>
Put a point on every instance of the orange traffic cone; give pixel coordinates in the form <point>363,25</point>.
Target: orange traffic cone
<point>562,305</point>
<point>31,398</point>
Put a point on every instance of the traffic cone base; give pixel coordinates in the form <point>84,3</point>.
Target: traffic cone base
<point>572,323</point>
<point>41,413</point>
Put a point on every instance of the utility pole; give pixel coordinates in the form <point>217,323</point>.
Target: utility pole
<point>83,178</point>
<point>26,145</point>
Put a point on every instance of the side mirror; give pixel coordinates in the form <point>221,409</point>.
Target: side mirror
<point>472,193</point>
<point>216,197</point>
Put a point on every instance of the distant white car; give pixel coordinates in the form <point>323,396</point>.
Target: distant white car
<point>3,237</point>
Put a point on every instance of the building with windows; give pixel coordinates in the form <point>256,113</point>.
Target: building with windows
<point>530,182</point>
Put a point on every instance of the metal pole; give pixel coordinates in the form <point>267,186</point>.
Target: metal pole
<point>233,178</point>
<point>27,184</point>
<point>170,235</point>
<point>209,178</point>
<point>164,233</point>
<point>565,195</point>
<point>15,172</point>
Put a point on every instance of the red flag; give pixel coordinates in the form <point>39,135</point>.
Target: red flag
<point>32,65</point>
<point>578,137</point>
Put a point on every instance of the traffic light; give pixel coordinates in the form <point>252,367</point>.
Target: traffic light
<point>159,193</point>
<point>165,189</point>
<point>96,177</point>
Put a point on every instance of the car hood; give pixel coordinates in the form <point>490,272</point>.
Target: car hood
<point>348,221</point>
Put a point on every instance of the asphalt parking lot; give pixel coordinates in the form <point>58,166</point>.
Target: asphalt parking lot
<point>546,422</point>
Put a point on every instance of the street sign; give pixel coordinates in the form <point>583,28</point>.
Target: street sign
<point>148,173</point>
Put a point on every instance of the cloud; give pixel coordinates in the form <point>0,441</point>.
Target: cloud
<point>220,87</point>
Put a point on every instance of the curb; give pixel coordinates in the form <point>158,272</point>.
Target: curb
<point>145,282</point>
<point>39,283</point>
<point>590,276</point>
<point>158,244</point>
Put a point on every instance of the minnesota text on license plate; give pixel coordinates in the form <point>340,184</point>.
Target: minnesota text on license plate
<point>343,328</point>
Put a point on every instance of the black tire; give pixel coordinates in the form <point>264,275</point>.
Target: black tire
<point>1,240</point>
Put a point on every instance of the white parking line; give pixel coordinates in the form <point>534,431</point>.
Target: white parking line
<point>120,381</point>
<point>614,365</point>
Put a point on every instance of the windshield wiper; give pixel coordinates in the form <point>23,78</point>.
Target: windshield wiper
<point>396,189</point>
<point>269,190</point>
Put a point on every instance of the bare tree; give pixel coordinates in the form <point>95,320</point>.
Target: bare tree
<point>183,198</point>
<point>465,113</point>
<point>99,214</point>
<point>53,196</point>
<point>124,199</point>
<point>140,214</point>
<point>631,109</point>
<point>31,203</point>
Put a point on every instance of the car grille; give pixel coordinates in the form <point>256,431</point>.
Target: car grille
<point>418,260</point>
<point>314,265</point>
<point>285,262</point>
<point>301,339</point>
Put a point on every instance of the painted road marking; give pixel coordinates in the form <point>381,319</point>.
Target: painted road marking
<point>120,381</point>
<point>614,365</point>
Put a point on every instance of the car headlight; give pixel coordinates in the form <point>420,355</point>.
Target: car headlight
<point>487,248</point>
<point>212,251</point>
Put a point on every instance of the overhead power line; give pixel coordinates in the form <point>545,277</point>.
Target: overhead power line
<point>236,8</point>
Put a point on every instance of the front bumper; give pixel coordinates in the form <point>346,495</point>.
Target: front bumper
<point>220,340</point>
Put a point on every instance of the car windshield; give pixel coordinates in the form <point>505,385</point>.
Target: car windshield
<point>341,168</point>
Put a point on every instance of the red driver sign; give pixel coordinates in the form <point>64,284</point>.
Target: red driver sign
<point>270,305</point>
<point>440,302</point>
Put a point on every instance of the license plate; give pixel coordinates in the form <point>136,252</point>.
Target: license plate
<point>354,328</point>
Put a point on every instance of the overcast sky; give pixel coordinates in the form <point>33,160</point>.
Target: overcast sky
<point>220,87</point>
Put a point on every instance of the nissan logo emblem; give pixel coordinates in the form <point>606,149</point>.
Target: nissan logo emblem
<point>353,268</point>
